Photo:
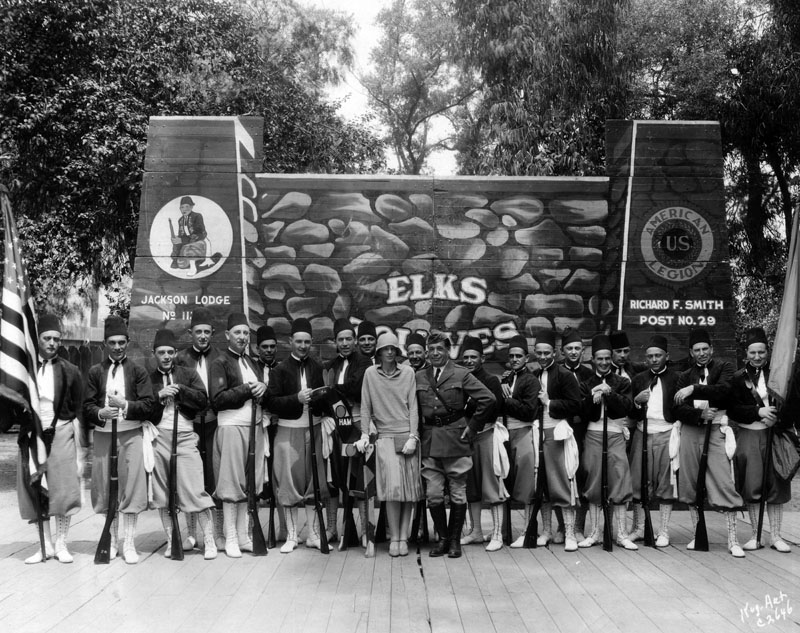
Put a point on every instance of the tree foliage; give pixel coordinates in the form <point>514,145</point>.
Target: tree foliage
<point>78,83</point>
<point>552,76</point>
<point>416,84</point>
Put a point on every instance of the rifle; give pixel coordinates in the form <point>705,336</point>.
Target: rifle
<point>323,539</point>
<point>509,481</point>
<point>608,525</point>
<point>369,501</point>
<point>102,555</point>
<point>171,229</point>
<point>532,530</point>
<point>649,539</point>
<point>701,533</point>
<point>271,540</point>
<point>259,544</point>
<point>176,550</point>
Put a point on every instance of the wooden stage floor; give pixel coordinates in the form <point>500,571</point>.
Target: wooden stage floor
<point>544,589</point>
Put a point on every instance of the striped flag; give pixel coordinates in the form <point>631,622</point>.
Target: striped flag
<point>18,343</point>
<point>785,345</point>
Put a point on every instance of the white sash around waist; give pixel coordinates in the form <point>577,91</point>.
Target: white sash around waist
<point>550,423</point>
<point>655,425</point>
<point>614,426</point>
<point>238,417</point>
<point>516,423</point>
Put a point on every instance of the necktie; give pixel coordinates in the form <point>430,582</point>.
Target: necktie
<point>201,364</point>
<point>654,381</point>
<point>114,368</point>
<point>602,400</point>
<point>545,379</point>
<point>436,374</point>
<point>42,367</point>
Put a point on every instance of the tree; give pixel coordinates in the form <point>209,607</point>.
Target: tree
<point>79,81</point>
<point>552,76</point>
<point>415,83</point>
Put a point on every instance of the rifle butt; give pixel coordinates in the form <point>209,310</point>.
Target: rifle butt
<point>259,543</point>
<point>608,529</point>
<point>271,540</point>
<point>701,534</point>
<point>176,547</point>
<point>649,539</point>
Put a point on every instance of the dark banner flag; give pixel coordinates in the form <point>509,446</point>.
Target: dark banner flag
<point>18,350</point>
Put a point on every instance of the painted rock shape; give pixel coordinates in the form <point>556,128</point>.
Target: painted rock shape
<point>484,217</point>
<point>580,211</point>
<point>559,304</point>
<point>524,209</point>
<point>368,264</point>
<point>552,278</point>
<point>274,291</point>
<point>393,208</point>
<point>490,317</point>
<point>390,315</point>
<point>270,230</point>
<point>322,278</point>
<point>583,281</point>
<point>305,232</point>
<point>281,326</point>
<point>524,283</point>
<point>458,231</point>
<point>388,245</point>
<point>350,207</point>
<point>534,325</point>
<point>322,251</point>
<point>419,264</point>
<point>354,233</point>
<point>513,260</point>
<point>342,305</point>
<point>250,232</point>
<point>462,253</point>
<point>307,306</point>
<point>293,206</point>
<point>587,257</point>
<point>459,318</point>
<point>423,204</point>
<point>545,234</point>
<point>286,273</point>
<point>280,252</point>
<point>498,237</point>
<point>587,235</point>
<point>508,302</point>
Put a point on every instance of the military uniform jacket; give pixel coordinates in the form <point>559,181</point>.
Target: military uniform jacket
<point>190,399</point>
<point>284,385</point>
<point>717,390</point>
<point>669,385</point>
<point>618,403</point>
<point>524,401</point>
<point>455,385</point>
<point>193,225</point>
<point>227,389</point>
<point>564,392</point>
<point>138,392</point>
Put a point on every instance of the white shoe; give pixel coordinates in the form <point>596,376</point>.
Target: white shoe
<point>473,537</point>
<point>63,555</point>
<point>288,546</point>
<point>690,545</point>
<point>751,545</point>
<point>570,545</point>
<point>662,540</point>
<point>313,542</point>
<point>494,545</point>
<point>587,542</point>
<point>246,546</point>
<point>518,543</point>
<point>34,558</point>
<point>626,543</point>
<point>189,543</point>
<point>544,539</point>
<point>638,535</point>
<point>736,552</point>
<point>781,546</point>
<point>232,549</point>
<point>129,554</point>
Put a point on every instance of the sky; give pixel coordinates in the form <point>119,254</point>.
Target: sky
<point>355,98</point>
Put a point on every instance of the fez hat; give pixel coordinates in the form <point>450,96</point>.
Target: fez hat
<point>415,339</point>
<point>237,318</point>
<point>601,341</point>
<point>201,316</point>
<point>521,342</point>
<point>472,343</point>
<point>49,323</point>
<point>366,328</point>
<point>187,200</point>
<point>659,341</point>
<point>115,326</point>
<point>265,333</point>
<point>755,335</point>
<point>341,325</point>
<point>165,338</point>
<point>546,336</point>
<point>570,335</point>
<point>301,325</point>
<point>698,336</point>
<point>619,339</point>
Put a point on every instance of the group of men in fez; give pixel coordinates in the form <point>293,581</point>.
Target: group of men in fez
<point>210,398</point>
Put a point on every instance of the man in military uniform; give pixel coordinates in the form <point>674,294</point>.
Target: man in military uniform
<point>447,437</point>
<point>190,236</point>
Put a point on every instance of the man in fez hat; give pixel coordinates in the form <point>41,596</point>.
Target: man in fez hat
<point>60,402</point>
<point>190,236</point>
<point>199,356</point>
<point>181,388</point>
<point>367,338</point>
<point>289,397</point>
<point>702,398</point>
<point>346,373</point>
<point>236,388</point>
<point>483,486</point>
<point>620,356</point>
<point>560,395</point>
<point>608,395</point>
<point>754,412</point>
<point>654,396</point>
<point>415,351</point>
<point>117,388</point>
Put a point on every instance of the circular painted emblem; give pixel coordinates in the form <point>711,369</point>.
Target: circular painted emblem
<point>191,237</point>
<point>677,243</point>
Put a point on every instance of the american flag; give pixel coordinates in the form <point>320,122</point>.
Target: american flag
<point>18,342</point>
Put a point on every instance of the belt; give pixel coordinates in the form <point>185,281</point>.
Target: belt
<point>443,420</point>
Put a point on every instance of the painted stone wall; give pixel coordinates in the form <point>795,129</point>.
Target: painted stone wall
<point>484,256</point>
